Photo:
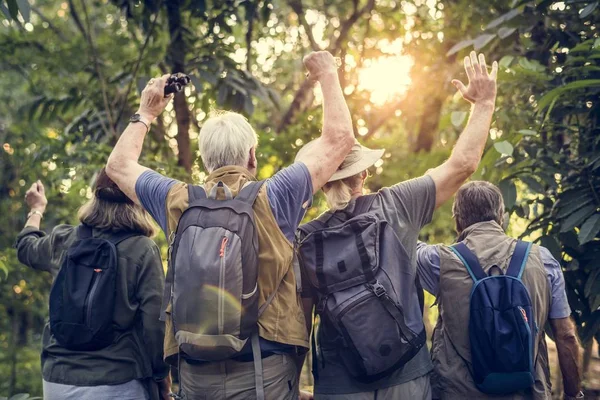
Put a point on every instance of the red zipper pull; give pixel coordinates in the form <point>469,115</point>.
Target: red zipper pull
<point>223,245</point>
<point>524,314</point>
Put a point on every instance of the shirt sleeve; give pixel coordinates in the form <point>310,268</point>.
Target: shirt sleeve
<point>414,200</point>
<point>43,252</point>
<point>559,304</point>
<point>290,194</point>
<point>152,189</point>
<point>428,267</point>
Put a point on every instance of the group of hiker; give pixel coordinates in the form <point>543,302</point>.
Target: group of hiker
<point>245,280</point>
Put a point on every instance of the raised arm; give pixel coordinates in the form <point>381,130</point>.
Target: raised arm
<point>568,355</point>
<point>465,158</point>
<point>122,166</point>
<point>337,136</point>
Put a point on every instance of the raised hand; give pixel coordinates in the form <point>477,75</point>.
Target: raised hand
<point>482,85</point>
<point>319,63</point>
<point>153,100</point>
<point>36,197</point>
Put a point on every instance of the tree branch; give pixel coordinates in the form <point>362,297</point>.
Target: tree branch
<point>298,8</point>
<point>98,70</point>
<point>135,69</point>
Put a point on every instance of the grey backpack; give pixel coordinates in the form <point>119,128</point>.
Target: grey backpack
<point>367,290</point>
<point>212,277</point>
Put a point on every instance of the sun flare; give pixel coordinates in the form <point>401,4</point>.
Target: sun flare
<point>385,78</point>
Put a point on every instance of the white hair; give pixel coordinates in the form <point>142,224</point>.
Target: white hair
<point>226,139</point>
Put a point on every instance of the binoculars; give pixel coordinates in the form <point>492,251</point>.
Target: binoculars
<point>176,83</point>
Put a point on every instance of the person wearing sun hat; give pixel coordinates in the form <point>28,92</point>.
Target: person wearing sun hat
<point>406,207</point>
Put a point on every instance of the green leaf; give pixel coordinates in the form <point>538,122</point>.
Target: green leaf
<point>596,44</point>
<point>457,118</point>
<point>222,95</point>
<point>482,40</point>
<point>594,302</point>
<point>509,193</point>
<point>592,285</point>
<point>552,245</point>
<point>533,184</point>
<point>577,218</point>
<point>459,46</point>
<point>588,10</point>
<point>506,61</point>
<point>589,229</point>
<point>505,32</point>
<point>503,18</point>
<point>527,132</point>
<point>504,148</point>
<point>25,9</point>
<point>20,396</point>
<point>13,8</point>
<point>555,93</point>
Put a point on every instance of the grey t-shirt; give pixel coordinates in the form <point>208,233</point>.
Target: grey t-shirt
<point>407,206</point>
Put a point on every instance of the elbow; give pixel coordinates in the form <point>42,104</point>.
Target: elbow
<point>346,139</point>
<point>465,166</point>
<point>113,166</point>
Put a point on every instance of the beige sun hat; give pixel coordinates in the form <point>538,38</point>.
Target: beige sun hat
<point>359,159</point>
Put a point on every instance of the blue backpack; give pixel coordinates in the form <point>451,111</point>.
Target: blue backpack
<point>502,328</point>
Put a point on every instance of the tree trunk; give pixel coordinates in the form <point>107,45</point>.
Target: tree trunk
<point>176,55</point>
<point>430,120</point>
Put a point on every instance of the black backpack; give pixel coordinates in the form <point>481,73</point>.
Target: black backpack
<point>82,299</point>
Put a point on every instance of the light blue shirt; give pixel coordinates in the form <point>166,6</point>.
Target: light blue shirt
<point>428,268</point>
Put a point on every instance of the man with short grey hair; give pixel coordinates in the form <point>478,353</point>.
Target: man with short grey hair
<point>227,145</point>
<point>479,214</point>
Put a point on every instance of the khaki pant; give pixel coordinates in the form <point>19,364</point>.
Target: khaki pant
<point>234,380</point>
<point>417,389</point>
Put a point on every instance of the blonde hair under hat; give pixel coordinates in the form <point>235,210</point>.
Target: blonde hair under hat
<point>359,159</point>
<point>339,189</point>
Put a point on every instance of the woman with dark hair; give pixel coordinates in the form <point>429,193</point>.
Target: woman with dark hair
<point>130,366</point>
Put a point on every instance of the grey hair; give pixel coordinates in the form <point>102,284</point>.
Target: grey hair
<point>339,193</point>
<point>477,201</point>
<point>226,139</point>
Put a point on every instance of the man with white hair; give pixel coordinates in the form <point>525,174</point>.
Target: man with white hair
<point>227,145</point>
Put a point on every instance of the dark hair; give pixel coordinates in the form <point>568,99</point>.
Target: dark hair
<point>477,201</point>
<point>110,209</point>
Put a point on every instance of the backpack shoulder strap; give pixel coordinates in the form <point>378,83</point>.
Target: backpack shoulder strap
<point>469,260</point>
<point>249,192</point>
<point>195,193</point>
<point>519,259</point>
<point>363,204</point>
<point>84,232</point>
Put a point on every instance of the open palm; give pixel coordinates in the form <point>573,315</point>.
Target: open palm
<point>482,85</point>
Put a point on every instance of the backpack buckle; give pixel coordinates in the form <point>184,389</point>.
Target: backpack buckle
<point>377,288</point>
<point>321,305</point>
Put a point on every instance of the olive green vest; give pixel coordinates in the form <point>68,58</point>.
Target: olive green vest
<point>283,320</point>
<point>451,349</point>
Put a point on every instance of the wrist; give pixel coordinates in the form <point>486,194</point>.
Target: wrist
<point>147,116</point>
<point>327,75</point>
<point>36,211</point>
<point>485,103</point>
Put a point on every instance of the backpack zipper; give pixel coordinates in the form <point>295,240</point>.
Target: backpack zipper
<point>220,317</point>
<point>87,304</point>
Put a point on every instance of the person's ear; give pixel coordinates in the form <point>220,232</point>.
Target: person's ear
<point>252,162</point>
